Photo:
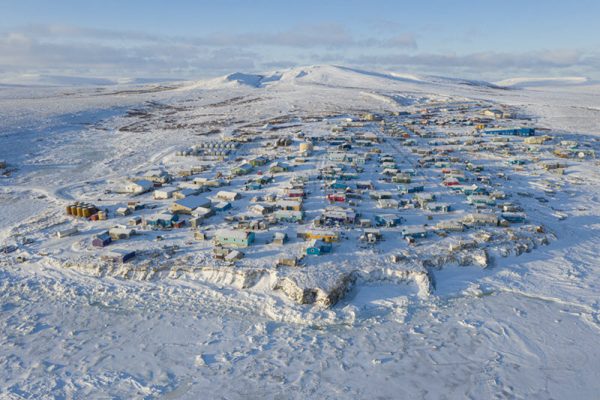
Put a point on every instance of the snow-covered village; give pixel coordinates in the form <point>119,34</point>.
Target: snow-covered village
<point>320,231</point>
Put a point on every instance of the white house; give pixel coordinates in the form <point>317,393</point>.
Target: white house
<point>139,187</point>
<point>164,193</point>
<point>228,196</point>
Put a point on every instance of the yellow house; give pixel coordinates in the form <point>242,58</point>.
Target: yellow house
<point>326,236</point>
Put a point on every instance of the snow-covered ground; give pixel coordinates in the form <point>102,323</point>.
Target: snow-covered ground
<point>527,327</point>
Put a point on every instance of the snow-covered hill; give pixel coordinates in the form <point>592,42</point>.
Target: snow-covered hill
<point>542,82</point>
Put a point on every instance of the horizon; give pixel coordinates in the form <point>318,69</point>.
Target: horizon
<point>152,41</point>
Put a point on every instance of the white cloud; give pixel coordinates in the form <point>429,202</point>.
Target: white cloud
<point>63,50</point>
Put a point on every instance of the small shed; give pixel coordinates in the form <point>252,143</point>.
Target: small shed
<point>279,238</point>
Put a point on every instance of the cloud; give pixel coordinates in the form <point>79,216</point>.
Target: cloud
<point>64,50</point>
<point>545,59</point>
<point>24,53</point>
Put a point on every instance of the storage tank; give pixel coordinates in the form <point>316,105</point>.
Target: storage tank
<point>79,211</point>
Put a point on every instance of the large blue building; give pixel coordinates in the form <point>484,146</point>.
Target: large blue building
<point>520,131</point>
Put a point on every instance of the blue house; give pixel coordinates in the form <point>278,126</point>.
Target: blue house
<point>162,220</point>
<point>514,218</point>
<point>318,247</point>
<point>414,233</point>
<point>520,131</point>
<point>222,206</point>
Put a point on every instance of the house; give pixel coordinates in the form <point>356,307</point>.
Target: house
<point>371,236</point>
<point>414,232</point>
<point>278,167</point>
<point>288,262</point>
<point>336,197</point>
<point>258,161</point>
<point>260,209</point>
<point>472,190</point>
<point>135,205</point>
<point>200,182</point>
<point>242,169</point>
<point>305,147</point>
<point>291,205</point>
<point>401,178</point>
<point>318,247</point>
<point>233,256</point>
<point>388,220</point>
<point>228,196</point>
<point>514,217</point>
<point>339,186</point>
<point>102,240</point>
<point>222,206</point>
<point>120,232</point>
<point>450,226</point>
<point>279,238</point>
<point>137,220</point>
<point>388,203</point>
<point>536,139</point>
<point>338,215</point>
<point>189,204</point>
<point>519,131</point>
<point>404,189</point>
<point>378,195</point>
<point>495,113</point>
<point>295,192</point>
<point>195,222</point>
<point>325,235</point>
<point>391,172</point>
<point>199,235</point>
<point>480,219</point>
<point>365,185</point>
<point>289,215</point>
<point>139,187</point>
<point>230,237</point>
<point>437,207</point>
<point>118,255</point>
<point>219,252</point>
<point>423,198</point>
<point>162,220</point>
<point>451,181</point>
<point>157,176</point>
<point>185,192</point>
<point>481,199</point>
<point>203,212</point>
<point>253,186</point>
<point>66,232</point>
<point>164,193</point>
<point>123,211</point>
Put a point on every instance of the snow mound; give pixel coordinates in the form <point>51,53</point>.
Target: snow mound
<point>538,82</point>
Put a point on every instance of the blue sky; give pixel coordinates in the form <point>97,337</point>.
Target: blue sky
<point>194,39</point>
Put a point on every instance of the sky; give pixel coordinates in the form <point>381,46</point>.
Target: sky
<point>117,40</point>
